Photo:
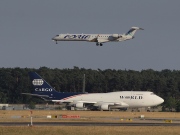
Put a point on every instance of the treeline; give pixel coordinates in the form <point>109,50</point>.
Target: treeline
<point>165,83</point>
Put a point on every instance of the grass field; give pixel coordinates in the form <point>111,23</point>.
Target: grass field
<point>94,116</point>
<point>91,116</point>
<point>44,113</point>
<point>6,113</point>
<point>89,130</point>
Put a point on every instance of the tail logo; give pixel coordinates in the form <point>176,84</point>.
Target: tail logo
<point>37,82</point>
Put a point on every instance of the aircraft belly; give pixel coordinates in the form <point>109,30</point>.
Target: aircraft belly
<point>117,106</point>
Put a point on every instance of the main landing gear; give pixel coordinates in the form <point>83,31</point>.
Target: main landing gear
<point>99,44</point>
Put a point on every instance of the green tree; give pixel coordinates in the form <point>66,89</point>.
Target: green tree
<point>171,103</point>
<point>178,106</point>
<point>32,105</point>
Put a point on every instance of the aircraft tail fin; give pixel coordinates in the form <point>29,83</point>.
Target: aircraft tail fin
<point>41,87</point>
<point>133,30</point>
<point>45,91</point>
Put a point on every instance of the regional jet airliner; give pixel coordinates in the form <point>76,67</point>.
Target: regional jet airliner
<point>98,38</point>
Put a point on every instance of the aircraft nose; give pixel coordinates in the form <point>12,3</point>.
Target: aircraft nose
<point>161,100</point>
<point>55,38</point>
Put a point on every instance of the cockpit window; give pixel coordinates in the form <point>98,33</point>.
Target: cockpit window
<point>57,35</point>
<point>152,94</point>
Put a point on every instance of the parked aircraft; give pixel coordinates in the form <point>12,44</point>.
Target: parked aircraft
<point>101,101</point>
<point>98,38</point>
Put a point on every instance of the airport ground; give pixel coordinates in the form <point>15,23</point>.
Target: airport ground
<point>15,116</point>
<point>98,130</point>
<point>102,116</point>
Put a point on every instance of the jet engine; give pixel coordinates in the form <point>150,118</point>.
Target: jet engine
<point>79,105</point>
<point>115,35</point>
<point>105,107</point>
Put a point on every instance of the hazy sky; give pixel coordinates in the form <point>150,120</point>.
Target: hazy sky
<point>27,26</point>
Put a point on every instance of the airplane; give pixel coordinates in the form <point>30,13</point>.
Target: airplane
<point>100,101</point>
<point>98,38</point>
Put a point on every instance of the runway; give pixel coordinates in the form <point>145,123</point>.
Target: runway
<point>86,124</point>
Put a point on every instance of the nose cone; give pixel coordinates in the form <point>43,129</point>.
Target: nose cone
<point>54,38</point>
<point>161,100</point>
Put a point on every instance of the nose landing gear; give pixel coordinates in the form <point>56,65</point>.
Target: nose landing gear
<point>54,40</point>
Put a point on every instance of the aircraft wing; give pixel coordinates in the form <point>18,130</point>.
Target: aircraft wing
<point>45,96</point>
<point>121,104</point>
<point>99,40</point>
<point>94,40</point>
<point>95,103</point>
<point>117,104</point>
<point>100,104</point>
<point>74,102</point>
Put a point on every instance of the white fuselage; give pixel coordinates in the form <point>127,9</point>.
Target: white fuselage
<point>117,99</point>
<point>101,38</point>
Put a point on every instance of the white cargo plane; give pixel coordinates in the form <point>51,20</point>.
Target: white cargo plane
<point>98,38</point>
<point>100,101</point>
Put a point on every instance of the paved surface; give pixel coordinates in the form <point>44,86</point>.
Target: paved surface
<point>86,124</point>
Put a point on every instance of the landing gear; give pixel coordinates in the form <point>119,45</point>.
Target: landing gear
<point>99,44</point>
<point>53,39</point>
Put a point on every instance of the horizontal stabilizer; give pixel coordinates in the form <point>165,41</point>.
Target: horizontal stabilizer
<point>45,96</point>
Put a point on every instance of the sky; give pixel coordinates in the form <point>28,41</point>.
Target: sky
<point>27,27</point>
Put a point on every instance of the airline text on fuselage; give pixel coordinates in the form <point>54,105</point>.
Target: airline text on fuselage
<point>131,97</point>
<point>77,36</point>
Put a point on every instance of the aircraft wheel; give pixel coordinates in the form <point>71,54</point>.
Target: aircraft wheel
<point>101,44</point>
<point>97,44</point>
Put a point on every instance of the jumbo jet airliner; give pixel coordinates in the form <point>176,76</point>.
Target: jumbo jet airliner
<point>101,101</point>
<point>98,38</point>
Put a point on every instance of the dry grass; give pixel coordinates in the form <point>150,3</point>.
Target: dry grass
<point>4,113</point>
<point>95,116</point>
<point>86,116</point>
<point>89,130</point>
<point>90,116</point>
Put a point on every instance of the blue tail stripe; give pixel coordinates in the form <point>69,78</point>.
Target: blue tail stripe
<point>41,87</point>
<point>129,32</point>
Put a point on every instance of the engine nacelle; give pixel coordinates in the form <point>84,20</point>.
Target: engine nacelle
<point>105,107</point>
<point>79,105</point>
<point>115,35</point>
